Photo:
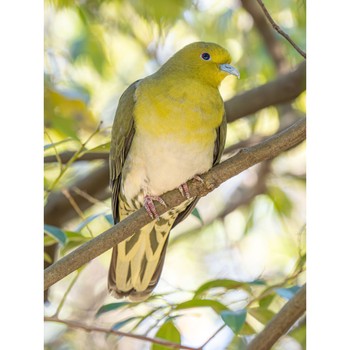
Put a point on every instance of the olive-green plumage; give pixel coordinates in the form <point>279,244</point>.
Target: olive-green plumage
<point>168,128</point>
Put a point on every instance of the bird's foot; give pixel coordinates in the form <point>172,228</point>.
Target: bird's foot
<point>150,207</point>
<point>199,179</point>
<point>185,192</point>
<point>184,187</point>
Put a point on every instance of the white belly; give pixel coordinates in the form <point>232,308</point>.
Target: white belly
<point>157,165</point>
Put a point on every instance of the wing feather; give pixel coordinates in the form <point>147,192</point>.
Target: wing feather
<point>123,131</point>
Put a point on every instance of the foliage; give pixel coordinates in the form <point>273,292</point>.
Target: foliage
<point>235,270</point>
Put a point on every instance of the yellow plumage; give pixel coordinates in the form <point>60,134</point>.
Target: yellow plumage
<point>168,128</point>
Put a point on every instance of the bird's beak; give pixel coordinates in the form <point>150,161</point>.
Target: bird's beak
<point>229,69</point>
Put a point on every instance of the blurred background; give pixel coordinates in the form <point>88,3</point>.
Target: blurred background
<point>244,246</point>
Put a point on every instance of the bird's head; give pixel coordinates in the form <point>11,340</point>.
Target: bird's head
<point>207,62</point>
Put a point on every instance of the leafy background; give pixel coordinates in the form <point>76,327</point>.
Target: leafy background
<point>236,261</point>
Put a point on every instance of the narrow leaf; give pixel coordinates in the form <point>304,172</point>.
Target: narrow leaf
<point>224,283</point>
<point>56,233</point>
<point>234,319</point>
<point>54,144</point>
<point>195,213</point>
<point>215,305</point>
<point>120,324</point>
<point>105,147</point>
<point>87,221</point>
<point>110,307</point>
<point>266,301</point>
<point>47,258</point>
<point>109,218</point>
<point>261,314</point>
<point>287,293</point>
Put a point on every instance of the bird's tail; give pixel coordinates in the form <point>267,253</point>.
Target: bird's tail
<point>137,262</point>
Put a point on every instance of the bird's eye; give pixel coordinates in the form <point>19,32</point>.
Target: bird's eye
<point>205,56</point>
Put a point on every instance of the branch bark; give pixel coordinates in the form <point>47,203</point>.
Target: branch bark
<point>274,47</point>
<point>246,158</point>
<point>281,323</point>
<point>285,88</point>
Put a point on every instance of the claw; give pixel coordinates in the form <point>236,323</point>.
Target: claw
<point>184,190</point>
<point>199,179</point>
<point>150,207</point>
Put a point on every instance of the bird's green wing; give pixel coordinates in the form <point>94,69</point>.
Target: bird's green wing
<point>218,150</point>
<point>123,131</point>
<point>220,140</point>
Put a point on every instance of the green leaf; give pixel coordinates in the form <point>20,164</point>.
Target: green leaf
<point>104,148</point>
<point>109,218</point>
<point>56,233</point>
<point>238,343</point>
<point>47,258</point>
<point>54,144</point>
<point>262,315</point>
<point>234,319</point>
<point>247,329</point>
<point>287,293</point>
<point>299,334</point>
<point>169,332</point>
<point>257,283</point>
<point>195,213</point>
<point>223,283</point>
<point>266,301</point>
<point>74,239</point>
<point>120,324</point>
<point>110,307</point>
<point>87,221</point>
<point>215,305</point>
<point>281,201</point>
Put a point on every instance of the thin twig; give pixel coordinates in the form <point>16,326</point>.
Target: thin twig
<point>88,328</point>
<point>279,30</point>
<point>59,307</point>
<point>213,336</point>
<point>71,161</point>
<point>74,204</point>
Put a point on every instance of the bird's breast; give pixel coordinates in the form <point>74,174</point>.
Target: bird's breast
<point>175,133</point>
<point>157,165</point>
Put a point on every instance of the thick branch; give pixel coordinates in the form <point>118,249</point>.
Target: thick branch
<point>58,210</point>
<point>66,156</point>
<point>273,46</point>
<point>281,323</point>
<point>212,179</point>
<point>88,328</point>
<point>284,89</point>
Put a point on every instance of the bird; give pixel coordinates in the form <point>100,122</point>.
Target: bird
<point>169,127</point>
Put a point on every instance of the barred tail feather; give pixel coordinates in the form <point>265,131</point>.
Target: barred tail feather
<point>137,262</point>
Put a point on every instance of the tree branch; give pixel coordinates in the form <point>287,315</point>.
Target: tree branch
<point>281,323</point>
<point>283,89</point>
<point>87,328</point>
<point>273,46</point>
<point>58,210</point>
<point>66,156</point>
<point>279,30</point>
<point>246,158</point>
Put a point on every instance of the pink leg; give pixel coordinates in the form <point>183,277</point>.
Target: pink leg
<point>149,205</point>
<point>184,187</point>
<point>184,190</point>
